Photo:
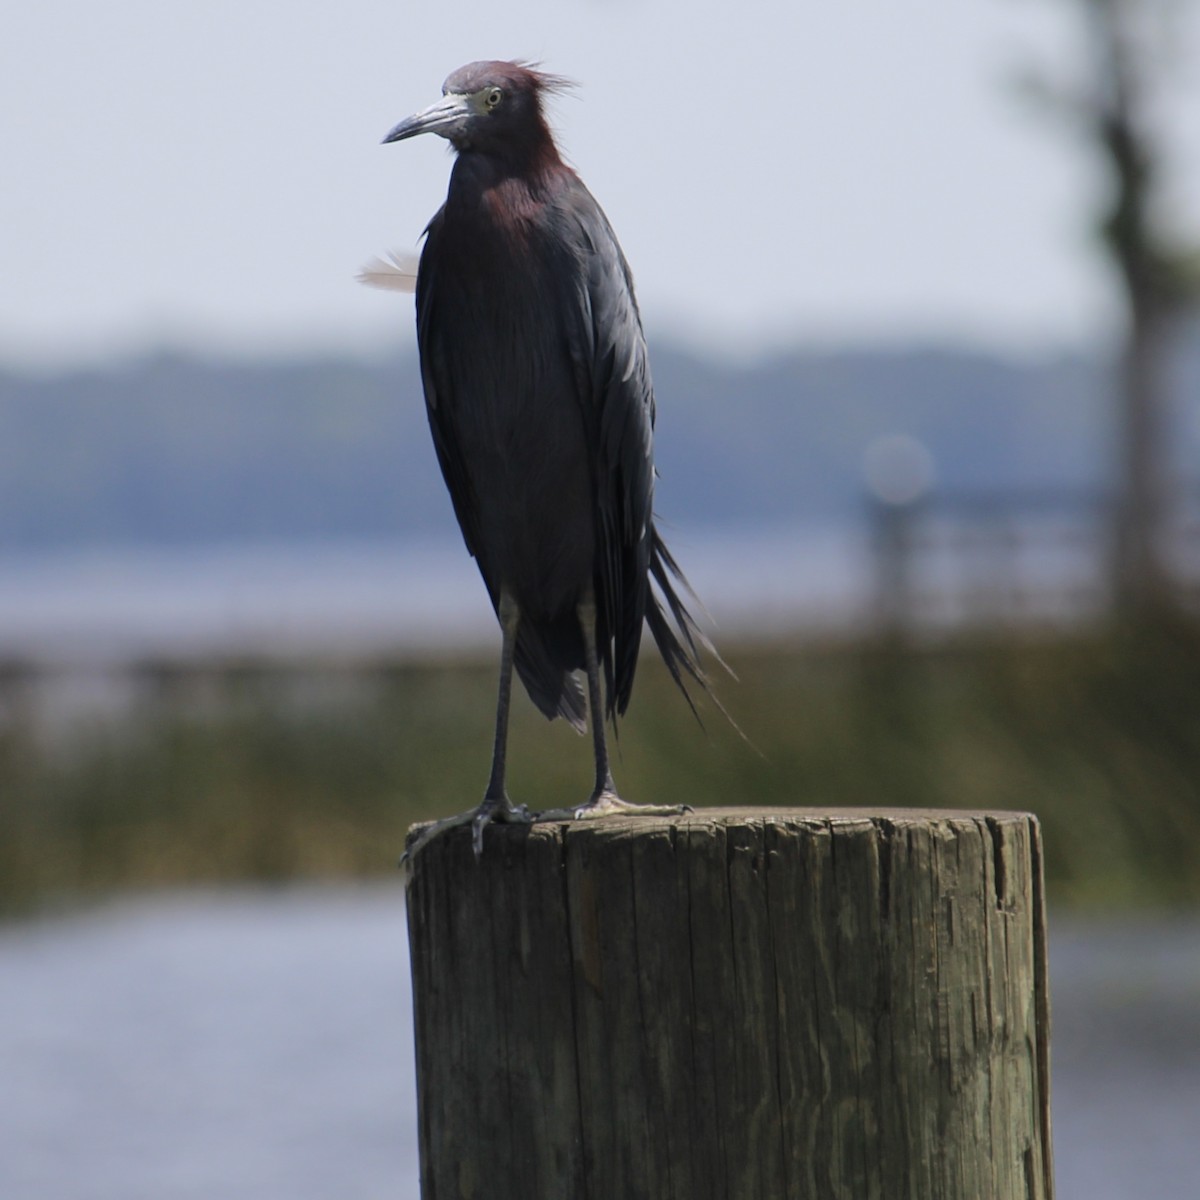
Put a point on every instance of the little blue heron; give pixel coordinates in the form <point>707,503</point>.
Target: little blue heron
<point>537,388</point>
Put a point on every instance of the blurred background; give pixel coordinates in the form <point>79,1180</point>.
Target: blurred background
<point>922,288</point>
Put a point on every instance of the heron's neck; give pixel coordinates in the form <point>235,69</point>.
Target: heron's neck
<point>504,185</point>
<point>530,159</point>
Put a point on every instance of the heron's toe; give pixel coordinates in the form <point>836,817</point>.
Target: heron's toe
<point>496,808</point>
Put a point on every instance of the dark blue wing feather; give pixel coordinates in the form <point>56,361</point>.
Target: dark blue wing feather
<point>610,349</point>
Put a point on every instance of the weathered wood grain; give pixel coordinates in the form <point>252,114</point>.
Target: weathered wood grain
<point>778,1004</point>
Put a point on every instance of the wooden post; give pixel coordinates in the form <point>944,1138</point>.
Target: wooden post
<point>734,1003</point>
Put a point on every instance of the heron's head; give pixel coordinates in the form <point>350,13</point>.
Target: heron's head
<point>489,107</point>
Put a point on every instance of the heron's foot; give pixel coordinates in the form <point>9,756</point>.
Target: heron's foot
<point>493,808</point>
<point>607,803</point>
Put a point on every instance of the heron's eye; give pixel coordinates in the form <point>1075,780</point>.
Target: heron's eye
<point>493,98</point>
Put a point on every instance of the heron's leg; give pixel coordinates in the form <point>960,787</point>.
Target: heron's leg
<point>510,618</point>
<point>495,805</point>
<point>604,798</point>
<point>605,788</point>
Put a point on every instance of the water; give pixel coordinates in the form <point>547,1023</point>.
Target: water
<point>109,605</point>
<point>76,622</point>
<point>1126,1060</point>
<point>256,1045</point>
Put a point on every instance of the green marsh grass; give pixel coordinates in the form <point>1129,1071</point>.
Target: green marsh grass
<point>296,772</point>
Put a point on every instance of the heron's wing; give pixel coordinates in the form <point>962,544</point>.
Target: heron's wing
<point>614,385</point>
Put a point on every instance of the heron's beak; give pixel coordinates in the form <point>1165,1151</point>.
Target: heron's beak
<point>444,118</point>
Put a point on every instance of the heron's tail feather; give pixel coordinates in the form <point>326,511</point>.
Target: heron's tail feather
<point>679,639</point>
<point>557,693</point>
<point>395,273</point>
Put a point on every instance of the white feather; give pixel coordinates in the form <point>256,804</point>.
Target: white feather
<point>395,272</point>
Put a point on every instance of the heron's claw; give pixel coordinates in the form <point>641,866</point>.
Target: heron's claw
<point>493,808</point>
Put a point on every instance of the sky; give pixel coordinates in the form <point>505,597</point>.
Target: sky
<point>208,176</point>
